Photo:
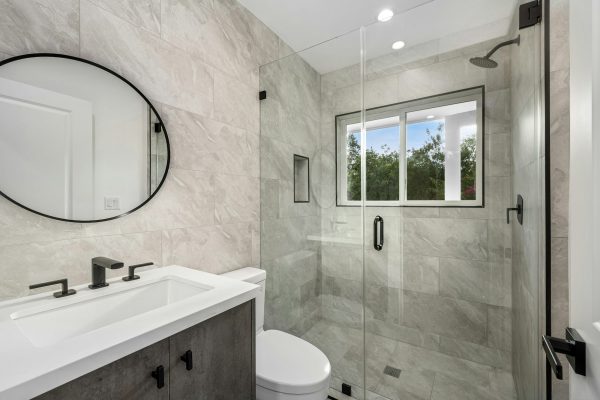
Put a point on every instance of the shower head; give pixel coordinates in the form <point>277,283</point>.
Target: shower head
<point>483,62</point>
<point>487,62</point>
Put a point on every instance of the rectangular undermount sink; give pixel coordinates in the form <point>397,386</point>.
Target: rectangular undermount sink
<point>52,323</point>
<point>47,342</point>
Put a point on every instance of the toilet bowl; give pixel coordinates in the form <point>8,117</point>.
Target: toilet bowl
<point>287,367</point>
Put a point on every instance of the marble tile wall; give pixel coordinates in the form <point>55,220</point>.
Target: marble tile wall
<point>198,62</point>
<point>559,178</point>
<point>443,279</point>
<point>290,125</point>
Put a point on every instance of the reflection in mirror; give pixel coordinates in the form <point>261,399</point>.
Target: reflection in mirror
<point>77,142</point>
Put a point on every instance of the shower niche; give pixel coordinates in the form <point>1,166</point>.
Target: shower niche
<point>301,179</point>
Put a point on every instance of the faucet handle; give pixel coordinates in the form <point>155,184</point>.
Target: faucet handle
<point>65,287</point>
<point>132,276</point>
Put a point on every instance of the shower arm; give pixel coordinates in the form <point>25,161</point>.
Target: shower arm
<point>517,40</point>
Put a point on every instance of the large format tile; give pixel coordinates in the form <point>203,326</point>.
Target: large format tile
<point>25,264</point>
<point>280,237</point>
<point>559,148</point>
<point>559,35</point>
<point>442,77</point>
<point>142,13</point>
<point>498,110</point>
<point>502,384</point>
<point>37,26</point>
<point>499,328</point>
<point>237,199</point>
<point>159,69</point>
<point>234,16</point>
<point>476,353</point>
<point>421,274</point>
<point>185,200</point>
<point>408,357</point>
<point>498,153</point>
<point>402,333</point>
<point>465,279</point>
<point>449,317</point>
<point>457,238</point>
<point>194,27</point>
<point>560,285</point>
<point>215,249</point>
<point>383,268</point>
<point>18,226</point>
<point>236,102</point>
<point>449,389</point>
<point>203,144</point>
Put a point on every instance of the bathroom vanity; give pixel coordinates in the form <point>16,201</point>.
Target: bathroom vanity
<point>175,333</point>
<point>212,360</point>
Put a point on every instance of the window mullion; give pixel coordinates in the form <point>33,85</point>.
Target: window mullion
<point>402,161</point>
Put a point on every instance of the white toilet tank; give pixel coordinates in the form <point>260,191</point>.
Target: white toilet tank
<point>258,277</point>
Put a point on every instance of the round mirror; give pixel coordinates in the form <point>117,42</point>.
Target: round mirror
<point>77,141</point>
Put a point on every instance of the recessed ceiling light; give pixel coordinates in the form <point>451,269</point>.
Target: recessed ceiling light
<point>398,45</point>
<point>430,116</point>
<point>385,15</point>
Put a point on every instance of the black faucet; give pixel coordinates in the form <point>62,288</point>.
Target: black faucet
<point>99,267</point>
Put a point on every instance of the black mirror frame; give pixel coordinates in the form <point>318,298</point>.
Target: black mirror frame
<point>162,181</point>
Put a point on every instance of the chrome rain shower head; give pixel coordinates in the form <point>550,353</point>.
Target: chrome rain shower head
<point>487,62</point>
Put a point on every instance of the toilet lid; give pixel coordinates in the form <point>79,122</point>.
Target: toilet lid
<point>288,364</point>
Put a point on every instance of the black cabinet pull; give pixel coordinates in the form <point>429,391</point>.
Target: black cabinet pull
<point>188,359</point>
<point>378,242</point>
<point>159,375</point>
<point>573,347</point>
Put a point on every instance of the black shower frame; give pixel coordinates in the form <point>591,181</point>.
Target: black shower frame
<point>545,4</point>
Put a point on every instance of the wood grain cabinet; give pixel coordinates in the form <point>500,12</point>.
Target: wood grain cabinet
<point>213,360</point>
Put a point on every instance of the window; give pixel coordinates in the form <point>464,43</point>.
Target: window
<point>426,152</point>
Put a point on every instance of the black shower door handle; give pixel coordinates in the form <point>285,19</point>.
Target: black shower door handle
<point>378,241</point>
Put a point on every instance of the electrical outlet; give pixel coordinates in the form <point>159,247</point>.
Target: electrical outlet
<point>111,203</point>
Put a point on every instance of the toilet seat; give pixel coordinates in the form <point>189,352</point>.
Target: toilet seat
<point>288,364</point>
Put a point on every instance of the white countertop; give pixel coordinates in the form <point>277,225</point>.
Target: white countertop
<point>30,367</point>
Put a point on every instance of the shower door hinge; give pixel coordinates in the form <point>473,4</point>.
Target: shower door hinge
<point>530,14</point>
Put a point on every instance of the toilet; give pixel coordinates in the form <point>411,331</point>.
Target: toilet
<point>287,367</point>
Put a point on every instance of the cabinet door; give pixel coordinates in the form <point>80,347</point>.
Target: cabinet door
<point>223,350</point>
<point>128,378</point>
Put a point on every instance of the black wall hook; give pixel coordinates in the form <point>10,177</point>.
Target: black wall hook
<point>519,209</point>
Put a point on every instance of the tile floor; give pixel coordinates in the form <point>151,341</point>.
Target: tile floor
<point>426,374</point>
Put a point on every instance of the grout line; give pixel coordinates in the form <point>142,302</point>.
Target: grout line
<point>432,386</point>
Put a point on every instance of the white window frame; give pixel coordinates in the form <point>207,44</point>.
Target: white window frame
<point>351,122</point>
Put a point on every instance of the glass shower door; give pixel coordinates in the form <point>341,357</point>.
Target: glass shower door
<point>312,223</point>
<point>387,170</point>
<point>452,300</point>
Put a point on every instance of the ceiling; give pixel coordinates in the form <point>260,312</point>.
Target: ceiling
<point>445,24</point>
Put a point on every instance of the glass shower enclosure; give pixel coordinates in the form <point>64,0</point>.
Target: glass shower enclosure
<point>386,175</point>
